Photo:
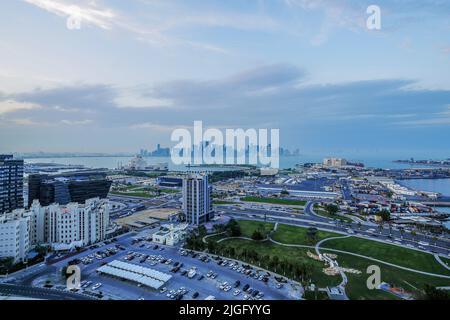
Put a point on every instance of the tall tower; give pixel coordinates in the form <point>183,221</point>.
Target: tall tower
<point>11,183</point>
<point>197,202</point>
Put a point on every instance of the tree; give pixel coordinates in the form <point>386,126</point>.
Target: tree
<point>332,209</point>
<point>435,239</point>
<point>311,235</point>
<point>432,293</point>
<point>385,215</point>
<point>211,245</point>
<point>380,228</point>
<point>6,264</point>
<point>233,229</point>
<point>202,231</point>
<point>41,250</point>
<point>402,231</point>
<point>273,263</point>
<point>257,235</point>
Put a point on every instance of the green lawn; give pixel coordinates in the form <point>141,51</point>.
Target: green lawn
<point>390,253</point>
<point>409,281</point>
<point>269,249</point>
<point>295,235</point>
<point>170,190</point>
<point>357,288</point>
<point>222,202</point>
<point>248,227</point>
<point>321,212</point>
<point>141,194</point>
<point>275,201</point>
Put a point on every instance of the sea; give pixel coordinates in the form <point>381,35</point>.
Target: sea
<point>285,162</point>
<point>432,185</point>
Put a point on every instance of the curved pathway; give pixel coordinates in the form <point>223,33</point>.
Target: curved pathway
<point>331,262</point>
<point>438,259</point>
<point>365,257</point>
<point>212,235</point>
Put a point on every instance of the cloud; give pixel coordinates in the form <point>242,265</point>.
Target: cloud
<point>86,11</point>
<point>76,122</point>
<point>271,95</point>
<point>383,113</point>
<point>158,27</point>
<point>9,106</point>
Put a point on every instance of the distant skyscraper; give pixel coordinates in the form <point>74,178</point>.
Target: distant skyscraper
<point>197,201</point>
<point>11,183</point>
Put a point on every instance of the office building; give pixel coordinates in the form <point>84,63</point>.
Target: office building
<point>68,187</point>
<point>11,183</point>
<point>170,181</point>
<point>14,235</point>
<point>197,201</point>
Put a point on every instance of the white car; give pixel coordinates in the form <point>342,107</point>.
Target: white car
<point>236,292</point>
<point>96,286</point>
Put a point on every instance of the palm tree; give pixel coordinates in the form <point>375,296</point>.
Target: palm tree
<point>380,228</point>
<point>414,234</point>
<point>402,232</point>
<point>435,239</point>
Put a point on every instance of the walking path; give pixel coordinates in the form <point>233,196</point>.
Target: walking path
<point>212,235</point>
<point>365,257</point>
<point>331,262</point>
<point>438,259</point>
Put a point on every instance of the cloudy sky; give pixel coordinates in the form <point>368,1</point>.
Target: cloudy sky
<point>135,70</point>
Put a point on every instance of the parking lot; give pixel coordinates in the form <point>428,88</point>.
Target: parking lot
<point>194,276</point>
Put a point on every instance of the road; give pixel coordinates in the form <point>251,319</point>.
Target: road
<point>310,219</point>
<point>40,293</point>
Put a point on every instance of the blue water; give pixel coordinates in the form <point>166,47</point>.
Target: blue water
<point>432,185</point>
<point>113,162</point>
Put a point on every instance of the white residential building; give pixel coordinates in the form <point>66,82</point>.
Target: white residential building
<point>197,202</point>
<point>71,225</point>
<point>171,234</point>
<point>14,235</point>
<point>334,162</point>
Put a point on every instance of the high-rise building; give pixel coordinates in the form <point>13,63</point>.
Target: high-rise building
<point>11,183</point>
<point>67,187</point>
<point>14,235</point>
<point>197,201</point>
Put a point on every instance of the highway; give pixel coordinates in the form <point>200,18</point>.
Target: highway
<point>309,219</point>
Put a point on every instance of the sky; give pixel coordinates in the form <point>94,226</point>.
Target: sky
<point>119,76</point>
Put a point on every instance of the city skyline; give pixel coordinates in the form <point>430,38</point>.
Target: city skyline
<point>133,73</point>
